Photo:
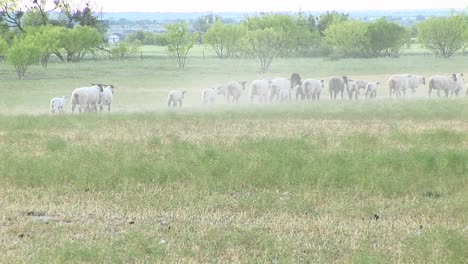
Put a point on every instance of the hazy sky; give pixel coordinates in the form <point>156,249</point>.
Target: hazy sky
<point>271,5</point>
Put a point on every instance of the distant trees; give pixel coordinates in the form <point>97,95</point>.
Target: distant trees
<point>357,38</point>
<point>444,35</point>
<point>179,42</point>
<point>348,38</point>
<point>226,40</point>
<point>385,38</point>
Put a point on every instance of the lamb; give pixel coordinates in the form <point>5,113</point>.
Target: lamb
<point>371,89</point>
<point>259,89</point>
<point>312,88</point>
<point>234,90</point>
<point>174,97</point>
<point>361,84</point>
<point>336,85</point>
<point>107,97</point>
<point>57,104</point>
<point>209,94</point>
<point>283,95</point>
<point>86,97</point>
<point>352,88</point>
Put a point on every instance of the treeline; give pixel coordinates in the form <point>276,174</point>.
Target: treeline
<point>32,34</point>
<point>332,35</point>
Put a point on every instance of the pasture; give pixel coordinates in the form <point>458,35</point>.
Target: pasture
<point>380,181</point>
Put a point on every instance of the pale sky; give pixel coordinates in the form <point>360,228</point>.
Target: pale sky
<point>271,5</point>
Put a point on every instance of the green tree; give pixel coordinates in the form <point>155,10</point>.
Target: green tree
<point>125,48</point>
<point>386,38</point>
<point>77,42</point>
<point>47,39</point>
<point>180,40</point>
<point>3,46</point>
<point>348,38</point>
<point>226,40</point>
<point>22,54</point>
<point>203,23</point>
<point>265,45</point>
<point>444,35</point>
<point>330,18</point>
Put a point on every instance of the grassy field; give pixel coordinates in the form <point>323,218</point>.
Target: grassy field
<point>379,181</point>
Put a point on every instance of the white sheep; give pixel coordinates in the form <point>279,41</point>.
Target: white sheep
<point>312,88</point>
<point>107,96</point>
<point>361,84</point>
<point>174,97</point>
<point>209,94</point>
<point>86,97</point>
<point>283,95</point>
<point>399,83</point>
<point>57,104</point>
<point>371,89</point>
<point>234,89</point>
<point>414,81</point>
<point>259,89</point>
<point>352,89</point>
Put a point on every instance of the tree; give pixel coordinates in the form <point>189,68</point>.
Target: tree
<point>226,40</point>
<point>330,18</point>
<point>444,35</point>
<point>22,54</point>
<point>180,40</point>
<point>348,38</point>
<point>47,39</point>
<point>386,38</point>
<point>264,45</point>
<point>203,23</point>
<point>77,42</point>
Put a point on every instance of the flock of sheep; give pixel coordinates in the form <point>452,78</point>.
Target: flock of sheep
<point>274,89</point>
<point>87,98</point>
<point>280,89</point>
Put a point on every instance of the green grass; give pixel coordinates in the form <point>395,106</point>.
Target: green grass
<point>379,181</point>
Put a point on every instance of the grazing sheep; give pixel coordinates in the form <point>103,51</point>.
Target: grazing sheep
<point>336,85</point>
<point>352,89</point>
<point>57,104</point>
<point>371,89</point>
<point>312,89</point>
<point>234,90</point>
<point>283,95</point>
<point>86,97</point>
<point>209,94</point>
<point>107,97</point>
<point>259,89</point>
<point>174,97</point>
<point>444,83</point>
